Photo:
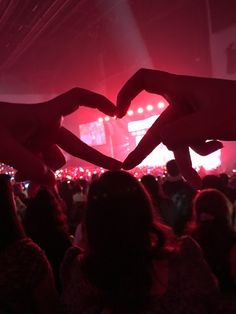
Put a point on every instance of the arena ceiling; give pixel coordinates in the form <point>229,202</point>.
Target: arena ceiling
<point>48,46</point>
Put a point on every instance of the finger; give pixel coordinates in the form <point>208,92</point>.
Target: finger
<point>206,148</point>
<point>74,146</point>
<point>183,159</point>
<point>69,101</point>
<point>53,157</point>
<point>151,139</point>
<point>30,167</point>
<point>152,81</point>
<point>193,128</point>
<point>95,100</point>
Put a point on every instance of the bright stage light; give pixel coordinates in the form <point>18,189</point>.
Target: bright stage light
<point>140,110</point>
<point>130,112</point>
<point>161,105</point>
<point>149,107</point>
<point>100,119</point>
<point>107,118</point>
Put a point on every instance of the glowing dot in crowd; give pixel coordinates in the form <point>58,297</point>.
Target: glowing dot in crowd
<point>100,119</point>
<point>161,105</point>
<point>149,107</point>
<point>107,118</point>
<point>130,112</point>
<point>140,110</point>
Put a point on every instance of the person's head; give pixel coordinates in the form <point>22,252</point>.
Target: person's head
<point>45,216</point>
<point>151,184</point>
<point>10,227</point>
<point>119,214</point>
<point>211,181</point>
<point>211,207</point>
<point>172,168</point>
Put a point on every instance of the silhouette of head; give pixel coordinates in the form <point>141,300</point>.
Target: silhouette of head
<point>211,205</point>
<point>119,214</point>
<point>172,168</point>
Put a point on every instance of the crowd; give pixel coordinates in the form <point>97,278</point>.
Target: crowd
<point>116,244</point>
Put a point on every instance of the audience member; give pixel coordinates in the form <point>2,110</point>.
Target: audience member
<point>128,265</point>
<point>181,194</point>
<point>162,203</point>
<point>26,279</point>
<point>213,231</point>
<point>46,224</point>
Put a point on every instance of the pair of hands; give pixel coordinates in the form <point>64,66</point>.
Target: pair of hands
<point>194,118</point>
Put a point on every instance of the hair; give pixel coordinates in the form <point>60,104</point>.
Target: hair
<point>172,168</point>
<point>214,204</point>
<point>212,181</point>
<point>212,228</point>
<point>122,238</point>
<point>152,186</point>
<point>11,229</point>
<point>46,223</point>
<point>45,215</point>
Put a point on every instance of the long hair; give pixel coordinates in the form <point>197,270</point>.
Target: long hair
<point>45,216</point>
<point>212,228</point>
<point>46,224</point>
<point>122,239</point>
<point>11,229</point>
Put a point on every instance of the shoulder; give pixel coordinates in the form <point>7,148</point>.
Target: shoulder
<point>70,259</point>
<point>32,256</point>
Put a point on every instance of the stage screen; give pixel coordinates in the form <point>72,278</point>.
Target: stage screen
<point>93,133</point>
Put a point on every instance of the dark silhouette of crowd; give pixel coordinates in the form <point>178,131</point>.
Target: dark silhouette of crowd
<point>118,244</point>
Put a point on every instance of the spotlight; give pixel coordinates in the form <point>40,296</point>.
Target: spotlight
<point>149,107</point>
<point>161,105</point>
<point>140,110</point>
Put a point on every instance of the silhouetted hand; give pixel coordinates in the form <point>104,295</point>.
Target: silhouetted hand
<point>32,135</point>
<point>201,112</point>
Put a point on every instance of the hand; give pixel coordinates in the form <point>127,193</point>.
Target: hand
<point>33,134</point>
<point>194,116</point>
<point>69,102</point>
